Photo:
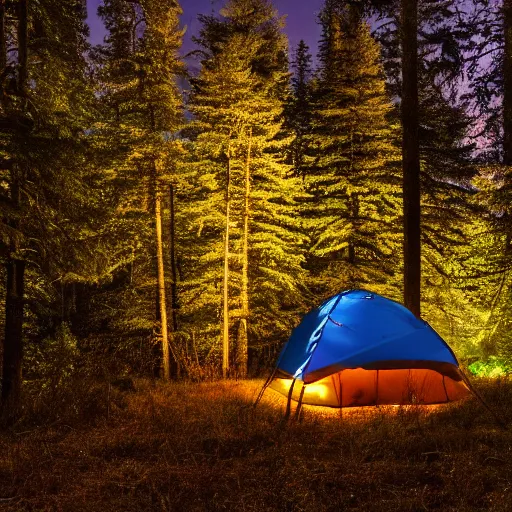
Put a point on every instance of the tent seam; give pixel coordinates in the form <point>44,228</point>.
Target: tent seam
<point>321,334</point>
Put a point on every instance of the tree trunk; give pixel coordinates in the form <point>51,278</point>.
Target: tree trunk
<point>174,276</point>
<point>507,105</point>
<point>507,86</point>
<point>166,360</point>
<point>411,157</point>
<point>3,42</point>
<point>13,342</point>
<point>354,213</point>
<point>225,336</point>
<point>243,338</point>
<point>22,47</point>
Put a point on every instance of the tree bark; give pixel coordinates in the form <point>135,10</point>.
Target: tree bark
<point>243,337</point>
<point>507,105</point>
<point>174,276</point>
<point>166,360</point>
<point>354,207</point>
<point>411,157</point>
<point>225,335</point>
<point>3,41</point>
<point>507,86</point>
<point>22,47</point>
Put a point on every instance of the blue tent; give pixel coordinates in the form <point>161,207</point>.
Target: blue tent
<point>359,348</point>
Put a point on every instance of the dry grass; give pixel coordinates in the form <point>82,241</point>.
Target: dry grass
<point>200,447</point>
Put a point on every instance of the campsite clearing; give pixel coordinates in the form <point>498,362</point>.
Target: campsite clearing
<point>201,447</point>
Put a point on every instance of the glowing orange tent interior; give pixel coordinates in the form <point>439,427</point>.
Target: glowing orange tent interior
<point>361,349</point>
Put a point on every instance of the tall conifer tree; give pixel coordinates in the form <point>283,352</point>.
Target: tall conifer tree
<point>352,166</point>
<point>298,109</point>
<point>45,108</point>
<point>490,69</point>
<point>138,71</point>
<point>411,156</point>
<point>446,166</point>
<point>238,104</point>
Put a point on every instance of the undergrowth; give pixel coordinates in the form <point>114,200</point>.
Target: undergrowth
<point>202,447</point>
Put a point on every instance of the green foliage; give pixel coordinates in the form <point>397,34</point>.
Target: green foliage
<point>298,109</point>
<point>491,368</point>
<point>98,132</point>
<point>52,362</point>
<point>446,158</point>
<point>238,103</point>
<point>136,74</point>
<point>351,168</point>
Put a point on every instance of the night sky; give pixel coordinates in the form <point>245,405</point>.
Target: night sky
<point>301,18</point>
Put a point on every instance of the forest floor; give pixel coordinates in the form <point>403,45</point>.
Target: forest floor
<point>201,447</point>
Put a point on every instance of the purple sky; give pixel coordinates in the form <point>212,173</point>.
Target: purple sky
<point>300,19</point>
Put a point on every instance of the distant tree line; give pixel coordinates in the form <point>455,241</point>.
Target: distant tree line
<point>182,230</point>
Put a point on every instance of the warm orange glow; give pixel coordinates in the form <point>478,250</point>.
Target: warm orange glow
<point>359,387</point>
<point>318,390</point>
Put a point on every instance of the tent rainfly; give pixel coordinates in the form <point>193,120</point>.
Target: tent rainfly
<point>361,349</point>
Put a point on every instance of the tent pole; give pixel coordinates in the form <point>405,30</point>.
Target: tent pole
<point>289,402</point>
<point>499,421</point>
<point>377,390</point>
<point>341,396</point>
<point>299,404</point>
<point>445,391</point>
<point>265,386</point>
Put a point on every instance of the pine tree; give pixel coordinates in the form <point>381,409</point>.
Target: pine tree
<point>492,87</point>
<point>446,168</point>
<point>45,108</point>
<point>238,107</point>
<point>298,109</point>
<point>138,69</point>
<point>352,167</point>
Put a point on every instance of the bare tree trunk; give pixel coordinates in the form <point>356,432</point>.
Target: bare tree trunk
<point>411,157</point>
<point>354,212</point>
<point>166,361</point>
<point>507,104</point>
<point>243,338</point>
<point>174,276</point>
<point>225,336</point>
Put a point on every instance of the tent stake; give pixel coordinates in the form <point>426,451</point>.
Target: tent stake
<point>499,421</point>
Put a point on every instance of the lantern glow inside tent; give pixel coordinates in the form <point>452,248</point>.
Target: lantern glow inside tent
<point>360,349</point>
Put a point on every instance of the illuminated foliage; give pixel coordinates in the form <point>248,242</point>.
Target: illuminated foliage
<point>137,71</point>
<point>48,188</point>
<point>446,155</point>
<point>92,138</point>
<point>352,166</point>
<point>237,104</point>
<point>298,109</point>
